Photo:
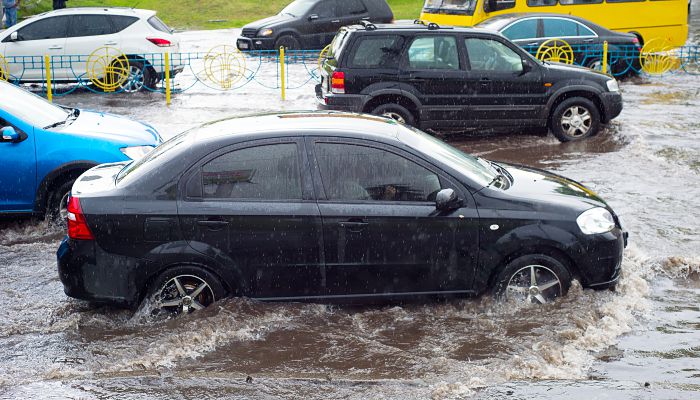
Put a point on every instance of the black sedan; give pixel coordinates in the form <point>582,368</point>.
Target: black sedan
<point>531,30</point>
<point>328,207</point>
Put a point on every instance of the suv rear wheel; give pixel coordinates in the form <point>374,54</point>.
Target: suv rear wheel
<point>575,119</point>
<point>57,210</point>
<point>396,112</point>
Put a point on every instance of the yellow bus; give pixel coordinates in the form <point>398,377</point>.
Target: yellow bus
<point>666,20</point>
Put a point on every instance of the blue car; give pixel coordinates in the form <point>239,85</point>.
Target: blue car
<point>45,147</point>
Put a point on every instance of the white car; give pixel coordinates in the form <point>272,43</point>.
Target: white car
<point>73,32</point>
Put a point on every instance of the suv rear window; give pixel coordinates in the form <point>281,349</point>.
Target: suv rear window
<point>158,24</point>
<point>122,22</point>
<point>377,52</point>
<point>335,47</point>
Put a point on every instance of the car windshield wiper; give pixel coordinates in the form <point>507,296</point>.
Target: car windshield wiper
<point>72,116</point>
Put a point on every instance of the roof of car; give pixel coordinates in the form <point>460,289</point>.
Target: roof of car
<point>300,124</point>
<point>100,10</point>
<point>416,27</point>
<point>515,16</point>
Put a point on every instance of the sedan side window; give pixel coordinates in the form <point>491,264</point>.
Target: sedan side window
<point>90,25</point>
<point>522,30</point>
<point>434,52</point>
<point>269,172</point>
<point>557,27</point>
<point>354,172</point>
<point>48,28</point>
<point>492,55</point>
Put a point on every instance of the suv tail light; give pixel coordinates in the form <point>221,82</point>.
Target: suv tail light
<point>338,82</point>
<point>160,42</point>
<point>77,225</point>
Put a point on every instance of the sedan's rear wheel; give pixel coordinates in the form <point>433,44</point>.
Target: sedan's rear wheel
<point>182,290</point>
<point>396,112</point>
<point>538,279</point>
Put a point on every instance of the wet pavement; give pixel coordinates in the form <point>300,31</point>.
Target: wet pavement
<point>640,342</point>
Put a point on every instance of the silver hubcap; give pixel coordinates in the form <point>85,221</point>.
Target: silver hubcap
<point>184,294</point>
<point>534,284</point>
<point>576,121</point>
<point>134,82</point>
<point>394,116</point>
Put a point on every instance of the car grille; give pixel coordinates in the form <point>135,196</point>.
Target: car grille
<point>249,32</point>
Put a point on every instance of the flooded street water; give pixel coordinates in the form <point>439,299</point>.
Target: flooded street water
<point>640,342</point>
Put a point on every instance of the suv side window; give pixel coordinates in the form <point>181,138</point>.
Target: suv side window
<point>355,172</point>
<point>433,52</point>
<point>351,7</point>
<point>121,22</point>
<point>526,29</point>
<point>492,55</point>
<point>377,52</point>
<point>269,172</point>
<point>89,25</point>
<point>324,9</point>
<point>47,28</point>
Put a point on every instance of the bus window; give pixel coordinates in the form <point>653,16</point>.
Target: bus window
<point>451,6</point>
<point>526,29</point>
<point>569,2</point>
<point>539,3</point>
<point>498,5</point>
<point>622,1</point>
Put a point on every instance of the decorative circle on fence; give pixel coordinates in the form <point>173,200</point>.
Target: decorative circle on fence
<point>4,69</point>
<point>224,66</point>
<point>556,50</point>
<point>658,57</point>
<point>108,68</point>
<point>323,56</point>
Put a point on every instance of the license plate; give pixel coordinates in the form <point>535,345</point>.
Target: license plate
<point>242,45</point>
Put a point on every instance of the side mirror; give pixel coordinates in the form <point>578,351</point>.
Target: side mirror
<point>10,135</point>
<point>527,66</point>
<point>14,36</point>
<point>313,17</point>
<point>446,200</point>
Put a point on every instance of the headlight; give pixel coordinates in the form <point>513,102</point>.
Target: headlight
<point>612,85</point>
<point>595,220</point>
<point>136,152</point>
<point>266,32</point>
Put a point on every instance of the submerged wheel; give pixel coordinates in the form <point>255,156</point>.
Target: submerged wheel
<point>57,210</point>
<point>182,290</point>
<point>138,77</point>
<point>533,279</point>
<point>575,119</point>
<point>396,112</point>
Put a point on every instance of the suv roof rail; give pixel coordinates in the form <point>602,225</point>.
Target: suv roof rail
<point>368,25</point>
<point>431,25</point>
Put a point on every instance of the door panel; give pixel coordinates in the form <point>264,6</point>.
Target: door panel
<point>46,36</point>
<point>18,175</point>
<point>86,34</point>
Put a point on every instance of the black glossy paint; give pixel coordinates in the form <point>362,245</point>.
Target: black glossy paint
<point>315,248</point>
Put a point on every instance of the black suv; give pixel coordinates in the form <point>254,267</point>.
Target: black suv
<point>310,24</point>
<point>445,78</point>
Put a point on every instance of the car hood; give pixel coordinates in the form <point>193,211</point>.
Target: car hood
<point>112,128</point>
<point>539,185</point>
<point>556,66</point>
<point>269,22</point>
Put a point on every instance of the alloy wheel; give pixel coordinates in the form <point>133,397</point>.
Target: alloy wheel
<point>135,81</point>
<point>63,207</point>
<point>184,294</point>
<point>394,116</point>
<point>534,284</point>
<point>576,121</point>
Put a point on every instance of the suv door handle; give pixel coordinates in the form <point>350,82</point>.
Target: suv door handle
<point>353,225</point>
<point>111,44</point>
<point>55,47</point>
<point>335,21</point>
<point>213,224</point>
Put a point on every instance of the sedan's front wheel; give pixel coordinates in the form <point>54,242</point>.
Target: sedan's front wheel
<point>536,278</point>
<point>182,290</point>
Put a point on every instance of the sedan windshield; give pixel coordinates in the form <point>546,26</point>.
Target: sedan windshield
<point>298,8</point>
<point>474,168</point>
<point>29,107</point>
<point>450,6</point>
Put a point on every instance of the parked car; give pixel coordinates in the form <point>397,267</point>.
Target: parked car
<point>328,207</point>
<point>310,24</point>
<point>45,147</point>
<point>461,78</point>
<point>531,30</point>
<point>73,32</point>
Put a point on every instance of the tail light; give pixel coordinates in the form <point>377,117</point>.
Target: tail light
<point>77,225</point>
<point>636,42</point>
<point>338,82</point>
<point>160,42</point>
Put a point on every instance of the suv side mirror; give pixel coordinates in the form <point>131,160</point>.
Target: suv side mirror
<point>527,66</point>
<point>10,135</point>
<point>446,199</point>
<point>313,17</point>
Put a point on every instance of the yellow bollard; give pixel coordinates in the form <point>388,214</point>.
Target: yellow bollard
<point>167,79</point>
<point>47,67</point>
<point>605,57</point>
<point>282,77</point>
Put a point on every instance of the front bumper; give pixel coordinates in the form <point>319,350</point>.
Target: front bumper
<point>340,102</point>
<point>601,259</point>
<point>612,105</point>
<point>89,273</point>
<point>246,44</point>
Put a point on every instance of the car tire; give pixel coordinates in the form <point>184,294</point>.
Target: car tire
<point>57,206</point>
<point>396,112</point>
<point>552,279</point>
<point>140,77</point>
<point>574,119</point>
<point>597,65</point>
<point>184,289</point>
<point>289,42</point>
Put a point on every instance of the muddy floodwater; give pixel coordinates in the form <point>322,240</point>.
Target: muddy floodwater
<point>639,342</point>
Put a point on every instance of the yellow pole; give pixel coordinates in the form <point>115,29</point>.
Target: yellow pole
<point>282,77</point>
<point>167,79</point>
<point>605,57</point>
<point>47,67</point>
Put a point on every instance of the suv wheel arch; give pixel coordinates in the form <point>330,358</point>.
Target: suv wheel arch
<point>586,93</point>
<point>406,101</point>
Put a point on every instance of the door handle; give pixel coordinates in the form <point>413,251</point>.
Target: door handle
<point>353,225</point>
<point>589,41</point>
<point>111,44</point>
<point>55,47</point>
<point>213,225</point>
<point>532,44</point>
<point>484,81</point>
<point>335,21</point>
